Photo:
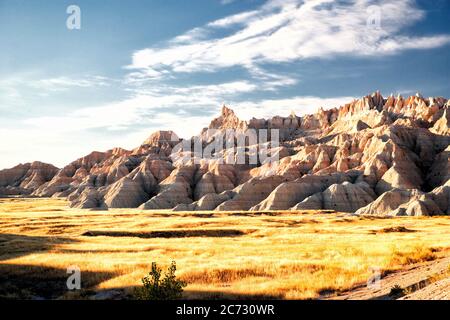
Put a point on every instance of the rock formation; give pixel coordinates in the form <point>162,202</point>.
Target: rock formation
<point>25,178</point>
<point>344,197</point>
<point>374,155</point>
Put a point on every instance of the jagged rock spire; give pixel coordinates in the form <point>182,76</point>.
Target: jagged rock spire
<point>227,120</point>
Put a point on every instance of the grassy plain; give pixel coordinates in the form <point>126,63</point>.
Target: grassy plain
<point>288,255</point>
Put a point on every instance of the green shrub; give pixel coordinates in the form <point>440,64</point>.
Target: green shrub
<point>157,288</point>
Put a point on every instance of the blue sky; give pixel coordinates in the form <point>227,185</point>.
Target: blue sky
<point>137,66</point>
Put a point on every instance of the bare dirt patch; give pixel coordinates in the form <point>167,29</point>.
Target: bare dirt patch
<point>413,281</point>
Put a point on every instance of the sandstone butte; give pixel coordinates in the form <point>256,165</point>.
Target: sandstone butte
<point>372,156</point>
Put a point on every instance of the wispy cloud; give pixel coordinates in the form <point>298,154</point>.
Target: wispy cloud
<point>262,42</point>
<point>148,106</point>
<point>173,111</point>
<point>65,83</point>
<point>62,139</point>
<point>13,88</point>
<point>290,30</point>
<point>229,21</point>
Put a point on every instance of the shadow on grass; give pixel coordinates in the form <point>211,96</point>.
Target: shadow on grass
<point>40,282</point>
<point>214,233</point>
<point>254,214</point>
<point>218,295</point>
<point>127,293</point>
<point>396,229</point>
<point>291,223</point>
<point>15,245</point>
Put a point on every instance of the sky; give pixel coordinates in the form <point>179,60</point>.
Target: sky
<point>137,66</point>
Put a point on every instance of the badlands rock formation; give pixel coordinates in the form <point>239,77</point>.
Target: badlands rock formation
<point>374,155</point>
<point>25,178</point>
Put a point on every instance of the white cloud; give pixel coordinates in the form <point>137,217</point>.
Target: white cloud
<point>126,123</point>
<point>280,31</point>
<point>186,110</point>
<point>65,83</point>
<point>190,36</point>
<point>62,139</point>
<point>286,31</point>
<point>10,93</point>
<point>150,101</point>
<point>9,96</point>
<point>21,145</point>
<point>229,21</point>
<point>16,89</point>
<point>401,43</point>
<point>194,106</point>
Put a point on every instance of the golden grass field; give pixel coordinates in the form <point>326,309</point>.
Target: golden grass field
<point>289,255</point>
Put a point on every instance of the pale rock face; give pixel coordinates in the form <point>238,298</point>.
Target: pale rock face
<point>288,194</point>
<point>160,169</point>
<point>25,178</point>
<point>374,155</point>
<point>117,171</point>
<point>125,193</point>
<point>135,188</point>
<point>344,197</point>
<point>159,138</point>
<point>89,198</point>
<point>217,179</point>
<point>322,162</point>
<point>441,197</point>
<point>418,207</point>
<point>433,203</point>
<point>159,144</point>
<point>389,202</point>
<point>211,201</point>
<point>347,197</point>
<point>257,123</point>
<point>404,175</point>
<point>227,120</point>
<point>250,193</point>
<point>439,172</point>
<point>58,184</point>
<point>174,190</point>
<point>151,172</point>
<point>185,207</point>
<point>208,202</point>
<point>206,185</point>
<point>91,170</point>
<point>442,126</point>
<point>313,202</point>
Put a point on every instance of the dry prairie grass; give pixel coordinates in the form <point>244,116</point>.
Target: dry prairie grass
<point>291,255</point>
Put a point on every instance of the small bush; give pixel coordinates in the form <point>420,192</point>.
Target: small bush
<point>157,288</point>
<point>397,291</point>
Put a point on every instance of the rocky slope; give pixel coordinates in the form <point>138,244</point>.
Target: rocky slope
<point>374,155</point>
<point>24,179</point>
